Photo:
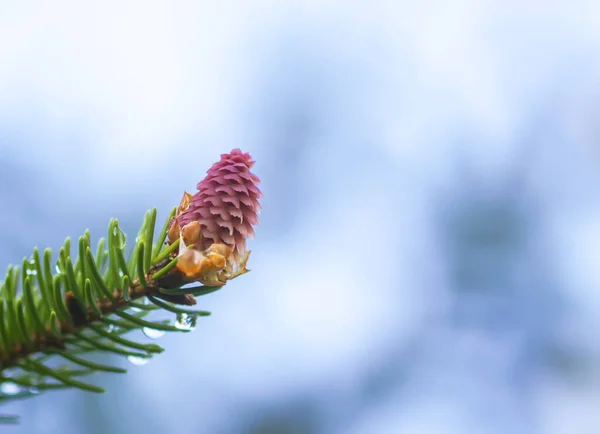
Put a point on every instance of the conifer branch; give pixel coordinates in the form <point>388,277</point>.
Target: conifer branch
<point>75,304</point>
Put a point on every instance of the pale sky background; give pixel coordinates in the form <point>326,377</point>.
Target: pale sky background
<point>426,260</point>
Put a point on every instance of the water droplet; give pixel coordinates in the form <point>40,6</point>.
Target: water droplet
<point>10,388</point>
<point>135,310</point>
<point>185,321</point>
<point>110,328</point>
<point>138,361</point>
<point>153,333</point>
<point>57,268</point>
<point>33,390</point>
<point>31,272</point>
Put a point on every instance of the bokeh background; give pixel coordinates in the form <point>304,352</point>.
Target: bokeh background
<point>426,260</point>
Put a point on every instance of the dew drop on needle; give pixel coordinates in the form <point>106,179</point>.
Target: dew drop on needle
<point>138,361</point>
<point>153,333</point>
<point>185,321</point>
<point>10,388</point>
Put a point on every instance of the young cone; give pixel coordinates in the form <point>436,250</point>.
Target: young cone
<point>214,223</point>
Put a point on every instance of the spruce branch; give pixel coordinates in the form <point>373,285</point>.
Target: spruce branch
<point>55,311</point>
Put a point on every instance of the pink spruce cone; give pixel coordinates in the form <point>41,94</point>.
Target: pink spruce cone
<point>226,204</point>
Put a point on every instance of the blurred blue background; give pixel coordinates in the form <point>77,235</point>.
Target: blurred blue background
<point>426,257</point>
